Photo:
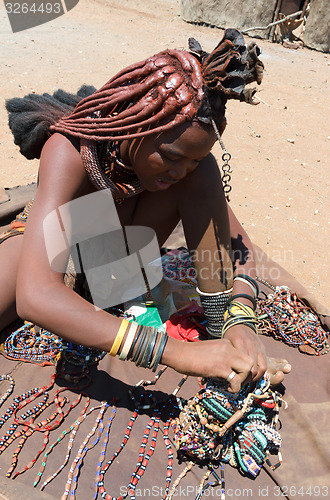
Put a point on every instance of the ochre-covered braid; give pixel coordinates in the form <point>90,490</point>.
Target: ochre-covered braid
<point>163,85</point>
<point>168,86</point>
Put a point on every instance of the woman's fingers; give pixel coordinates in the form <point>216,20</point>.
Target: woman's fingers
<point>276,369</point>
<point>212,358</point>
<point>245,341</point>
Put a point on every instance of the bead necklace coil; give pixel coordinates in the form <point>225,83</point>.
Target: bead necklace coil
<point>218,425</point>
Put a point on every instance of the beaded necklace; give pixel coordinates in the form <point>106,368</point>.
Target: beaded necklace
<point>170,455</point>
<point>27,432</point>
<point>286,318</point>
<point>100,484</point>
<point>72,477</point>
<point>10,390</point>
<point>12,434</point>
<point>27,395</point>
<point>73,428</point>
<point>144,456</point>
<point>18,403</point>
<point>185,471</point>
<point>32,344</point>
<point>27,421</point>
<point>104,448</point>
<point>219,481</point>
<point>105,169</point>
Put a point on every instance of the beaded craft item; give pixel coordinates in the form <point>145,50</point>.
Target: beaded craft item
<point>283,316</point>
<point>32,344</point>
<point>9,390</point>
<point>74,362</point>
<point>216,425</point>
<point>24,425</point>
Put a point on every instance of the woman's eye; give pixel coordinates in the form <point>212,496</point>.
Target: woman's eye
<point>167,157</point>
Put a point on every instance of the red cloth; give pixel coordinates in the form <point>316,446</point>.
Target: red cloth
<point>187,324</point>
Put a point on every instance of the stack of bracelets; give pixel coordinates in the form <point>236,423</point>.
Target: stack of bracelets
<point>144,345</point>
<point>223,311</point>
<point>216,425</point>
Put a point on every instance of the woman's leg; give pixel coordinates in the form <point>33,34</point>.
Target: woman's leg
<point>197,200</point>
<point>10,252</point>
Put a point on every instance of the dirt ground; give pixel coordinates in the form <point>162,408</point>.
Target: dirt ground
<point>279,148</point>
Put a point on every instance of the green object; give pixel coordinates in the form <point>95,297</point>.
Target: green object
<point>150,318</point>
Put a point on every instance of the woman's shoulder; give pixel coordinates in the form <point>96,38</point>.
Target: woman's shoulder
<point>61,165</point>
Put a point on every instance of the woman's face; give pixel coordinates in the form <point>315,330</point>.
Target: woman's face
<point>161,160</point>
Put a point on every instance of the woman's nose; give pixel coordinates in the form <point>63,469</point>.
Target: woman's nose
<point>178,173</point>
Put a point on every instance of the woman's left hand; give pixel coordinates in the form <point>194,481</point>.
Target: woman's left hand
<point>245,341</point>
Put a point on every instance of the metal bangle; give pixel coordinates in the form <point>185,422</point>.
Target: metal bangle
<point>144,345</point>
<point>129,340</point>
<point>137,336</point>
<point>244,296</point>
<point>139,344</point>
<point>149,349</point>
<point>251,280</point>
<point>160,350</point>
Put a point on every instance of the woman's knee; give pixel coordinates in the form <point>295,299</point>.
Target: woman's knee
<point>203,183</point>
<point>10,254</point>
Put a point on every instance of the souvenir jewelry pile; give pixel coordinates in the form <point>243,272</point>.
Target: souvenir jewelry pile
<point>239,429</point>
<point>283,316</point>
<point>32,344</point>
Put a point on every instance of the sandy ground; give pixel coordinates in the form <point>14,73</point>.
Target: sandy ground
<point>279,148</point>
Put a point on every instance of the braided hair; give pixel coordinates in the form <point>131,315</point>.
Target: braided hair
<point>171,87</point>
<point>153,95</point>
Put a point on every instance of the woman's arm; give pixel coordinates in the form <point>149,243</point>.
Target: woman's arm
<point>244,263</point>
<point>43,298</point>
<point>41,294</point>
<point>220,249</point>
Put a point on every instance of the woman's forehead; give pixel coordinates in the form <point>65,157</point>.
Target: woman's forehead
<point>189,137</point>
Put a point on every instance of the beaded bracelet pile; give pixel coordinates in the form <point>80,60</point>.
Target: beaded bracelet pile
<point>144,345</point>
<point>33,344</point>
<point>221,426</point>
<point>284,317</point>
<point>80,357</point>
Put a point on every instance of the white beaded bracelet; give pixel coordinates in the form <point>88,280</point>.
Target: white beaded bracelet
<point>214,294</point>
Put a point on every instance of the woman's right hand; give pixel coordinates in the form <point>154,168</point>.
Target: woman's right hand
<point>213,358</point>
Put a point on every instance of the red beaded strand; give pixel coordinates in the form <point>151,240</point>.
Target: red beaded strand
<point>73,428</point>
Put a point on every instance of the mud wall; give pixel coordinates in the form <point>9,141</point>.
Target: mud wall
<point>249,13</point>
<point>317,32</point>
<point>230,13</point>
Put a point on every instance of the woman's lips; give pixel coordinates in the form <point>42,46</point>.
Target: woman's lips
<point>164,184</point>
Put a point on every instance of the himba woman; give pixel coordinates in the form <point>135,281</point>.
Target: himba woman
<point>146,135</point>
